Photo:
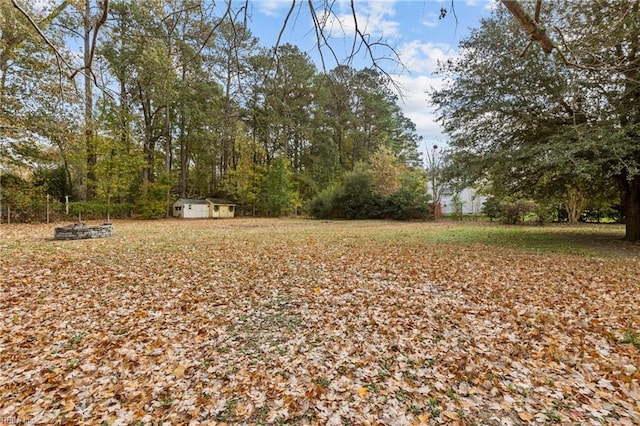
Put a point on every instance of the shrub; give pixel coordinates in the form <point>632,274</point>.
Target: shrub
<point>508,210</point>
<point>95,210</point>
<point>152,202</point>
<point>491,208</point>
<point>322,207</point>
<point>357,199</point>
<point>407,205</point>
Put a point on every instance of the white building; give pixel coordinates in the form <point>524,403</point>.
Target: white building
<point>189,208</point>
<point>468,199</point>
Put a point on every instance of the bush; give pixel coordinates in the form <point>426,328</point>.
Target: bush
<point>356,199</point>
<point>605,213</point>
<point>508,210</point>
<point>491,208</point>
<point>152,202</point>
<point>322,207</point>
<point>97,210</point>
<point>405,205</point>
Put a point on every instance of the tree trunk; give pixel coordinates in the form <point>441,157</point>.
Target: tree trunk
<point>574,203</point>
<point>88,107</point>
<point>630,200</point>
<point>149,140</point>
<point>184,158</point>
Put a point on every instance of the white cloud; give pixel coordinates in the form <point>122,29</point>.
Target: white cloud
<point>373,17</point>
<point>415,103</point>
<point>430,20</point>
<point>423,58</point>
<point>273,8</point>
<point>486,4</point>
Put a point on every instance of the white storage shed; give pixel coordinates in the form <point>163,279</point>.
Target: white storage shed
<point>188,208</point>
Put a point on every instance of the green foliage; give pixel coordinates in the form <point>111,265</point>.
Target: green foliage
<point>491,207</point>
<point>631,337</point>
<point>152,202</point>
<point>508,209</point>
<point>98,210</point>
<point>536,127</point>
<point>458,206</point>
<point>55,180</point>
<point>214,117</point>
<point>25,202</point>
<point>244,183</point>
<point>357,198</point>
<point>410,201</point>
<point>278,192</point>
<point>323,206</point>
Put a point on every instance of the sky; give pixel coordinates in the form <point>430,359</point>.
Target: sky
<point>413,27</point>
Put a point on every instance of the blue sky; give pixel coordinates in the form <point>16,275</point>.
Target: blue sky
<point>411,26</point>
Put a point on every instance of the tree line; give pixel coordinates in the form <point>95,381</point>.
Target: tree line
<point>190,105</point>
<point>173,100</point>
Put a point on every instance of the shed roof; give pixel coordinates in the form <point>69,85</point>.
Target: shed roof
<point>220,201</point>
<point>191,201</point>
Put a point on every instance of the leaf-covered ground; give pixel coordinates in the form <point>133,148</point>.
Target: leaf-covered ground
<point>307,322</point>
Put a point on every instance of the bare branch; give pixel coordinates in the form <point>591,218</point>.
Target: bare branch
<point>206,40</point>
<point>96,28</point>
<point>321,38</point>
<point>41,33</point>
<point>536,17</point>
<point>524,52</point>
<point>361,39</point>
<point>284,24</point>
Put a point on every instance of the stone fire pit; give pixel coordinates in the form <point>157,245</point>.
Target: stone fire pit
<point>80,231</point>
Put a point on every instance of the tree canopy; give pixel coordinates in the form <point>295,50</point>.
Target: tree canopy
<point>541,125</point>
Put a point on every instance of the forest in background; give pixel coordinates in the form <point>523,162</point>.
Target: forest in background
<point>174,101</point>
<point>171,100</point>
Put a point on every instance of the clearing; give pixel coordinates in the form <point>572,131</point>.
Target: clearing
<point>283,321</point>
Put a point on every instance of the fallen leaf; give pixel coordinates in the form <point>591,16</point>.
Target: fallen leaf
<point>525,416</point>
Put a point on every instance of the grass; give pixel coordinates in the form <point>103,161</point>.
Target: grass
<point>585,240</point>
<point>631,337</point>
<point>527,238</point>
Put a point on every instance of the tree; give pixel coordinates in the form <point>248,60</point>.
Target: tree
<point>386,171</point>
<point>384,188</point>
<point>435,163</point>
<point>287,96</point>
<point>523,120</point>
<point>230,52</point>
<point>245,181</point>
<point>278,194</point>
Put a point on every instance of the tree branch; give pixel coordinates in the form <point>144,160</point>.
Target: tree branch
<point>41,33</point>
<point>321,38</point>
<point>530,25</point>
<point>284,25</point>
<point>96,28</point>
